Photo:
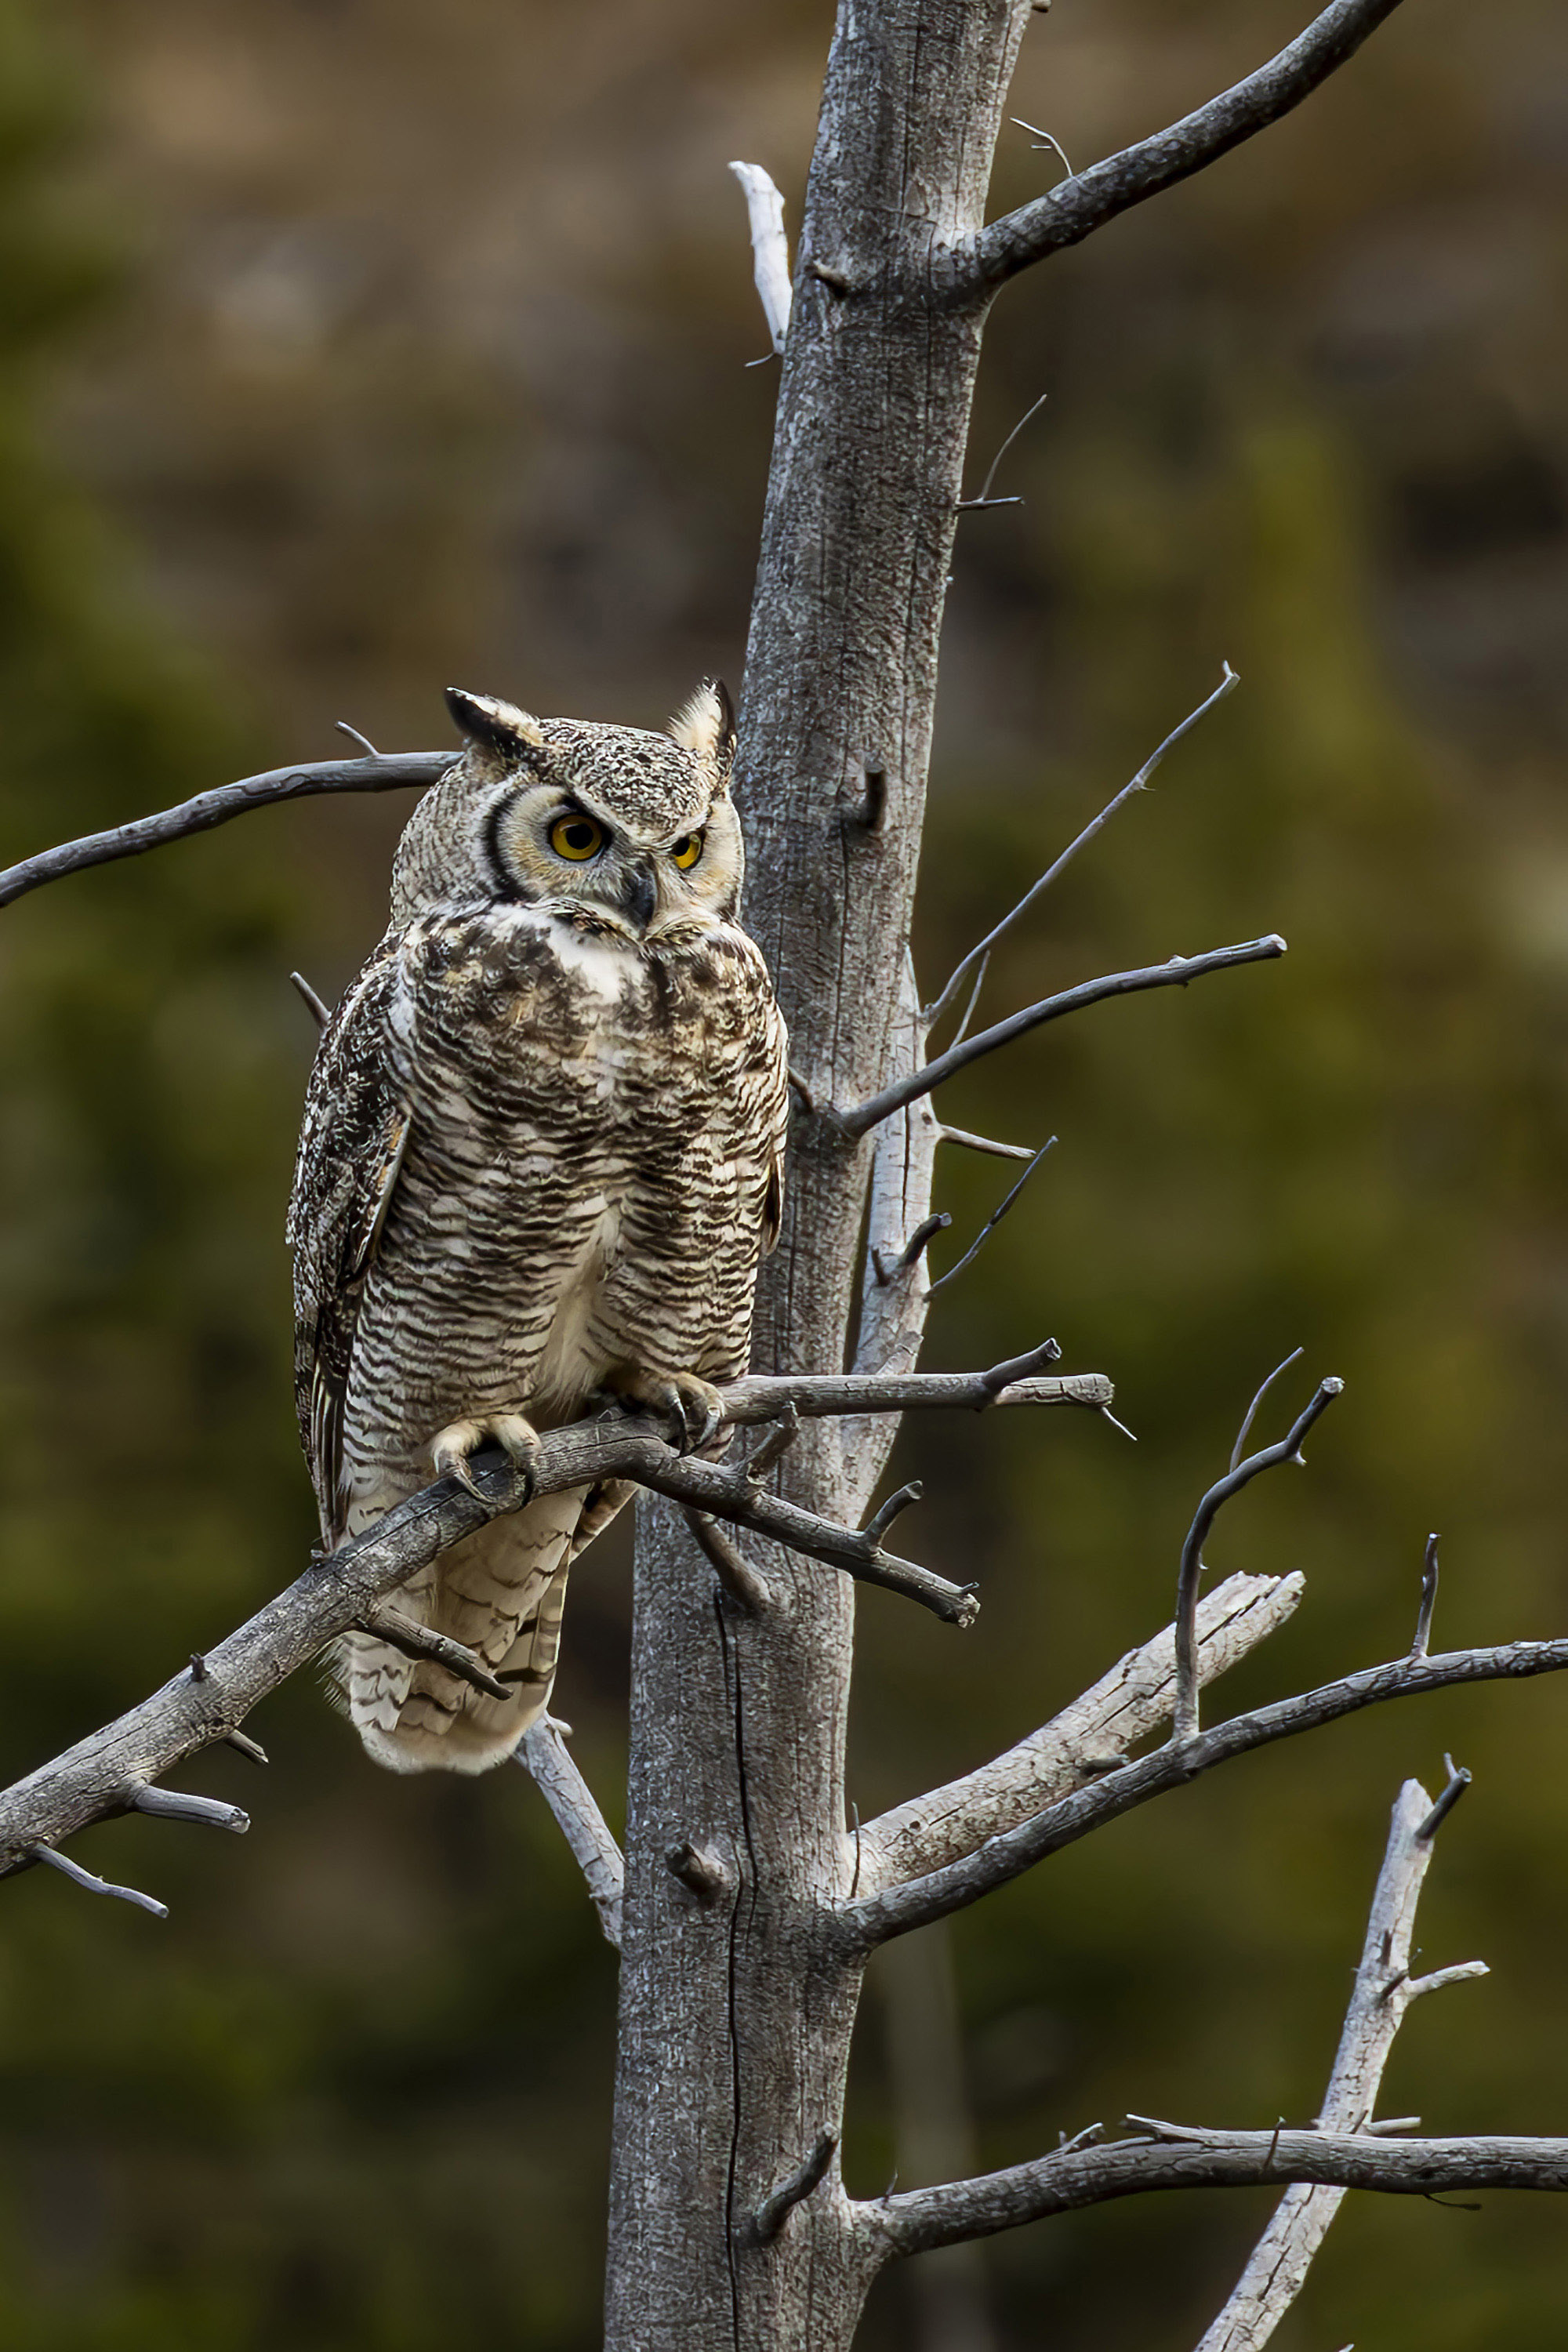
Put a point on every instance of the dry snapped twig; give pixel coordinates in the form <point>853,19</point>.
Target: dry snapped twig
<point>793,2189</point>
<point>1076,207</point>
<point>770,248</point>
<point>1242,1474</point>
<point>871,1920</point>
<point>110,1772</point>
<point>1383,1992</point>
<point>545,1757</point>
<point>382,772</point>
<point>91,1886</point>
<point>979,954</point>
<point>862,1116</point>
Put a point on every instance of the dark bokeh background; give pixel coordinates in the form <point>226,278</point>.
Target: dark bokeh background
<point>350,347</point>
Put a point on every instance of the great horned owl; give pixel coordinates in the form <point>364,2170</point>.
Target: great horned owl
<point>540,1158</point>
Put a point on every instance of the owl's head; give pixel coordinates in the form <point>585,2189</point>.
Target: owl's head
<point>604,821</point>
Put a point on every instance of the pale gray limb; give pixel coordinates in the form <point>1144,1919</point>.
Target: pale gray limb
<point>1062,2183</point>
<point>1289,1449</point>
<point>400,1632</point>
<point>860,1117</point>
<point>367,746</point>
<point>1075,208</point>
<point>985,1143</point>
<point>871,1920</point>
<point>793,2189</point>
<point>980,953</point>
<point>1086,1738</point>
<point>387,771</point>
<point>545,1757</point>
<point>92,1885</point>
<point>247,1746</point>
<point>1382,1991</point>
<point>770,248</point>
<point>313,1004</point>
<point>88,1781</point>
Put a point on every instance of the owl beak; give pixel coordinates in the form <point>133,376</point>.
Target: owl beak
<point>639,895</point>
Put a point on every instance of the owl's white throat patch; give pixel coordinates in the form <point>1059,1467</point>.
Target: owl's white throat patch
<point>604,961</point>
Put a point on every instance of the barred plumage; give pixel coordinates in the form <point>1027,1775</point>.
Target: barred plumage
<point>542,1155</point>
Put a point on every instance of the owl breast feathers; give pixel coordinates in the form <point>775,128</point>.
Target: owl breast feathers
<point>542,1156</point>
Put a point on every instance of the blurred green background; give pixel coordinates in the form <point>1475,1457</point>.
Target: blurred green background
<point>348,347</point>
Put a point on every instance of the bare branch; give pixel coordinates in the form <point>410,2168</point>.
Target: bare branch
<point>981,954</point>
<point>1381,1993</point>
<point>1289,1449</point>
<point>924,2218</point>
<point>894,1911</point>
<point>877,1528</point>
<point>1459,1782</point>
<point>387,771</point>
<point>246,1745</point>
<point>544,1756</point>
<point>89,1781</point>
<point>862,1116</point>
<point>770,248</point>
<point>793,2189</point>
<point>91,1886</point>
<point>995,1219</point>
<point>985,498</point>
<point>1124,1706</point>
<point>1075,208</point>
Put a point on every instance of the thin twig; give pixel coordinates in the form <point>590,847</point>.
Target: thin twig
<point>1289,1449</point>
<point>985,498</point>
<point>544,1756</point>
<point>1459,1782</point>
<point>741,1581</point>
<point>1051,141</point>
<point>1245,1432</point>
<point>179,1805</point>
<point>367,746</point>
<point>387,771</point>
<point>91,1886</point>
<point>986,1143</point>
<point>982,953</point>
<point>1428,1600</point>
<point>247,1746</point>
<point>415,1641</point>
<point>993,1220</point>
<point>317,1010</point>
<point>1076,207</point>
<point>862,1116</point>
<point>876,1527</point>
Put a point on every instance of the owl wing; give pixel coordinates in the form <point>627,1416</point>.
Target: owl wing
<point>352,1145</point>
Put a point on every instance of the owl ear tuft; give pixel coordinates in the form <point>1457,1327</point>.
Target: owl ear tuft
<point>486,719</point>
<point>706,724</point>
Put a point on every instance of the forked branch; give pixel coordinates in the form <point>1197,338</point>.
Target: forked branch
<point>110,1772</point>
<point>873,1919</point>
<point>1383,1992</point>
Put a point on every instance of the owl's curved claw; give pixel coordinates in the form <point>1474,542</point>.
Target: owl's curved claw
<point>453,1449</point>
<point>692,1403</point>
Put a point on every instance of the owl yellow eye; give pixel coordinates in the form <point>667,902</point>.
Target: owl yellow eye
<point>687,850</point>
<point>576,837</point>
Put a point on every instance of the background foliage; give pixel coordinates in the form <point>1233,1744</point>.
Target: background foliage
<point>348,346</point>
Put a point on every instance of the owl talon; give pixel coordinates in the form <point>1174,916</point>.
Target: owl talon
<point>453,1449</point>
<point>692,1403</point>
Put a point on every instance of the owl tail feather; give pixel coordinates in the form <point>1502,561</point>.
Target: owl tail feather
<point>501,1593</point>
